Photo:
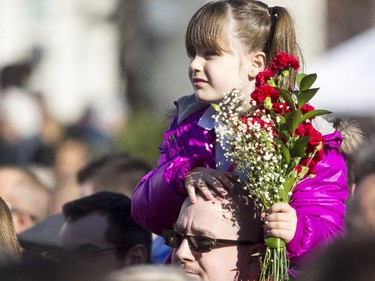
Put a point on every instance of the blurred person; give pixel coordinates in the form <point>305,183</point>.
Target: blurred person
<point>215,240</point>
<point>118,173</point>
<point>71,155</point>
<point>9,243</point>
<point>99,229</point>
<point>97,135</point>
<point>354,138</point>
<point>42,238</point>
<point>114,172</point>
<point>350,258</point>
<point>360,215</point>
<point>28,198</point>
<point>20,117</point>
<point>148,273</point>
<point>46,270</point>
<point>6,258</point>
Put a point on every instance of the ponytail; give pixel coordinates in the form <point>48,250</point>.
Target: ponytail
<point>282,37</point>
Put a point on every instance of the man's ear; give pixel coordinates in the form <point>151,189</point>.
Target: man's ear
<point>136,255</point>
<point>257,64</point>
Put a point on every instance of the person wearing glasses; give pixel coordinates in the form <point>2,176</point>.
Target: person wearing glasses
<point>220,239</point>
<point>99,230</point>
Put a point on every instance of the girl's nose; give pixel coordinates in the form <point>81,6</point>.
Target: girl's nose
<point>196,64</point>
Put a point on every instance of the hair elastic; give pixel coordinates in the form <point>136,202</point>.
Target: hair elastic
<point>273,14</point>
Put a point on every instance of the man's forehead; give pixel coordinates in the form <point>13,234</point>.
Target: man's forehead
<point>235,216</point>
<point>206,217</point>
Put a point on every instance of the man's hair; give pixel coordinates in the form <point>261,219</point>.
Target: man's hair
<point>117,173</point>
<point>123,231</point>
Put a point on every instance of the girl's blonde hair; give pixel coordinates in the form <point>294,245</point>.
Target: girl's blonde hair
<point>8,236</point>
<point>256,26</point>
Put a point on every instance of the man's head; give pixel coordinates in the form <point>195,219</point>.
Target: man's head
<point>100,227</point>
<point>235,219</point>
<point>117,173</point>
<point>360,214</point>
<point>360,211</point>
<point>29,199</point>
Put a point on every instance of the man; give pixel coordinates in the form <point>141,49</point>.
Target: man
<point>360,214</point>
<point>99,229</point>
<point>42,238</point>
<point>235,224</point>
<point>118,173</point>
<point>29,200</point>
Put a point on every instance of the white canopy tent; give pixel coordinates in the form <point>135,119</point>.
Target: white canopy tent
<point>346,77</point>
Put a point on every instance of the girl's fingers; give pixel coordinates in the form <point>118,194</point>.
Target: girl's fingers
<point>190,187</point>
<point>218,187</point>
<point>227,180</point>
<point>202,186</point>
<point>286,235</point>
<point>280,207</point>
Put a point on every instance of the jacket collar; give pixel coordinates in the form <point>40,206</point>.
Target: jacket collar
<point>187,105</point>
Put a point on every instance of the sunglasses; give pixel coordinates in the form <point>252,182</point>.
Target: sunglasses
<point>198,243</point>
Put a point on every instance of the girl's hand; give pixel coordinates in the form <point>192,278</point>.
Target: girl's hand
<point>206,180</point>
<point>281,221</point>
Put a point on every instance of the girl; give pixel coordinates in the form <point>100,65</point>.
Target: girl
<point>229,43</point>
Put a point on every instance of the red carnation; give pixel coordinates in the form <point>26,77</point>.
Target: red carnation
<point>315,136</point>
<point>263,77</point>
<point>306,108</point>
<point>280,108</point>
<point>283,60</point>
<point>264,91</point>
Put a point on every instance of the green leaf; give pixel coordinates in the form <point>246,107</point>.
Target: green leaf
<point>275,243</point>
<point>271,82</point>
<point>299,147</point>
<point>305,96</point>
<point>285,72</point>
<point>283,195</point>
<point>216,107</point>
<point>314,113</point>
<point>307,82</point>
<point>285,153</point>
<point>299,78</point>
<point>288,184</point>
<point>282,119</point>
<point>293,119</point>
<point>287,97</point>
<point>291,165</point>
<point>284,134</point>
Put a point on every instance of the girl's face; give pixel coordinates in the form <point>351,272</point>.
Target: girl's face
<point>212,73</point>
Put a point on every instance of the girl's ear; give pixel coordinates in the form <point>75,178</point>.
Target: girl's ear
<point>257,64</point>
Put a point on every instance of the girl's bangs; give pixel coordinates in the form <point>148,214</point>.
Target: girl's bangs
<point>206,30</point>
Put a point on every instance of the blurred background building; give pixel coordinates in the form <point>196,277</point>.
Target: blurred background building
<point>119,64</point>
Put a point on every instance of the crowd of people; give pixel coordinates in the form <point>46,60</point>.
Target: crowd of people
<point>115,218</point>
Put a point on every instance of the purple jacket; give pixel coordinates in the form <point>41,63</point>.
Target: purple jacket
<point>319,202</point>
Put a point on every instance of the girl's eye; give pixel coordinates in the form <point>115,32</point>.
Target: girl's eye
<point>210,53</point>
<point>192,54</point>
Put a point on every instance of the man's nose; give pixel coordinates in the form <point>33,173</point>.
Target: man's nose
<point>183,253</point>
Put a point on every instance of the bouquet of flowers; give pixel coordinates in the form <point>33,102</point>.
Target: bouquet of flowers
<point>271,143</point>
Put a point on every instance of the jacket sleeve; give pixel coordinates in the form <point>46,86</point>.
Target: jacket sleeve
<point>320,203</point>
<point>157,199</point>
